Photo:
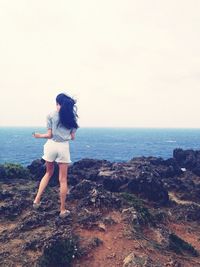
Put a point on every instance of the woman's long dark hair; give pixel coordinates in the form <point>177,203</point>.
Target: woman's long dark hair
<point>68,111</point>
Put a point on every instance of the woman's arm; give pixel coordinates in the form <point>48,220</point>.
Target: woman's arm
<point>48,134</point>
<point>73,135</point>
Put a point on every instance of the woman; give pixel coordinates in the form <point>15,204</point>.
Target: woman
<point>61,127</point>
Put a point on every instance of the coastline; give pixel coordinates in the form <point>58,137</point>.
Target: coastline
<point>148,205</point>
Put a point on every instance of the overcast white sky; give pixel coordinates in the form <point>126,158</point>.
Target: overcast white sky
<point>130,63</point>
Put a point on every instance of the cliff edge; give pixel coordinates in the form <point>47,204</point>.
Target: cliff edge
<point>144,212</point>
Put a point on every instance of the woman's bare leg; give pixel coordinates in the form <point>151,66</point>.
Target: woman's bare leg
<point>45,180</point>
<point>63,169</point>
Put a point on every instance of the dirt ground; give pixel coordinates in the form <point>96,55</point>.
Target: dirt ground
<point>116,241</point>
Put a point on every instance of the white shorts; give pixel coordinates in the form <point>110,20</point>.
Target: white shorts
<point>56,151</point>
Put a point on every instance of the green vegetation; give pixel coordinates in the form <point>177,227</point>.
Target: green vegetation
<point>179,245</point>
<point>144,215</point>
<point>59,253</point>
<point>160,216</point>
<point>132,199</point>
<point>13,171</point>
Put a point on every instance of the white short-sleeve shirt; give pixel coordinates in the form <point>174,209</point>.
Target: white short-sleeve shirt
<point>59,132</point>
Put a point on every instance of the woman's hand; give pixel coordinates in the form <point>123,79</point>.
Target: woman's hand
<point>45,135</point>
<point>36,135</point>
<point>72,135</point>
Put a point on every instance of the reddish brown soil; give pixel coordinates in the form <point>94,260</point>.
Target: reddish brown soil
<point>119,242</point>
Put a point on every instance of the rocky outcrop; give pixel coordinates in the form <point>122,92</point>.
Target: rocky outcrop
<point>138,200</point>
<point>150,187</point>
<point>149,177</point>
<point>92,194</point>
<point>189,159</point>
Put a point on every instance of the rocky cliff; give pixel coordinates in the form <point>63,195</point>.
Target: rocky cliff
<point>144,212</point>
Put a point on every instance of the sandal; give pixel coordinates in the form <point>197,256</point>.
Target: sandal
<point>36,205</point>
<point>64,214</point>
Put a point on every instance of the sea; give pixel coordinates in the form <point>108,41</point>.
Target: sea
<point>17,144</point>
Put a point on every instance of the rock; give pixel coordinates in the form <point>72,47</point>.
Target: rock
<point>101,199</point>
<point>173,263</point>
<point>88,220</point>
<point>137,214</point>
<point>196,170</point>
<point>89,244</point>
<point>2,172</point>
<point>33,221</point>
<point>189,159</point>
<point>6,194</point>
<point>82,189</point>
<point>190,212</point>
<point>114,182</point>
<point>156,161</point>
<point>180,246</point>
<point>13,209</point>
<point>89,164</point>
<point>129,260</point>
<point>101,226</point>
<point>166,168</point>
<point>135,261</point>
<point>108,220</point>
<point>111,256</point>
<point>185,158</point>
<point>130,214</point>
<point>87,169</point>
<point>93,194</point>
<point>111,190</point>
<point>150,187</point>
<point>138,176</point>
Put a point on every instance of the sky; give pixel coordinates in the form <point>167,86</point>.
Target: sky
<point>128,63</point>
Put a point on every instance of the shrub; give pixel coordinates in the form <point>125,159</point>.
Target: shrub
<point>144,215</point>
<point>59,253</point>
<point>13,171</point>
<point>179,245</point>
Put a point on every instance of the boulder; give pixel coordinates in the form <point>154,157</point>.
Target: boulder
<point>89,163</point>
<point>114,182</point>
<point>150,187</point>
<point>189,159</point>
<point>185,158</point>
<point>92,194</point>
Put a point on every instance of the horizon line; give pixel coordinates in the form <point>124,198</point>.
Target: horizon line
<point>125,127</point>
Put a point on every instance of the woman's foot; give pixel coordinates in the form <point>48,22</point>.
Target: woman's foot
<point>36,205</point>
<point>64,214</point>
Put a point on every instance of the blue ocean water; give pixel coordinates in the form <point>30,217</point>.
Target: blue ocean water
<point>114,144</point>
